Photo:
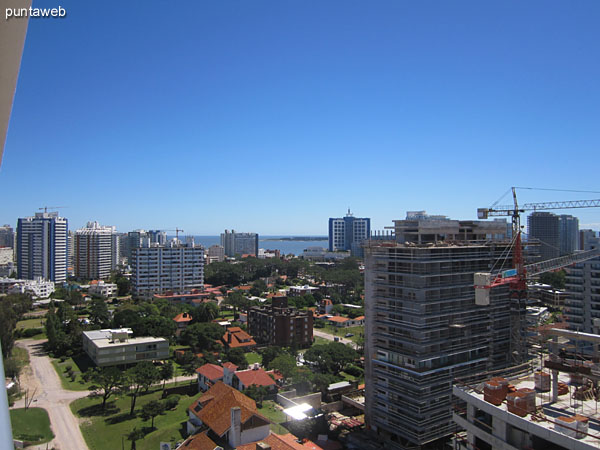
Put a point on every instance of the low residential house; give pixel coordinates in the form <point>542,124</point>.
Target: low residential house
<point>228,415</point>
<point>341,322</point>
<point>256,376</point>
<point>182,321</point>
<point>235,337</point>
<point>102,289</point>
<point>209,375</point>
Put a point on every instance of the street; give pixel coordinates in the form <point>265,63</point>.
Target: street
<point>42,379</point>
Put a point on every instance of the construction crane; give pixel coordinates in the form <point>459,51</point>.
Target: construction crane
<point>177,231</point>
<point>45,208</point>
<point>517,276</point>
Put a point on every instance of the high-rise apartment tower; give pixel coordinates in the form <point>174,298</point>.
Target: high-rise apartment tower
<point>42,247</point>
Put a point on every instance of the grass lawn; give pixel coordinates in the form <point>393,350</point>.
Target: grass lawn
<point>319,340</point>
<point>31,425</point>
<point>37,322</point>
<point>253,357</point>
<point>273,413</point>
<point>105,430</point>
<point>79,364</point>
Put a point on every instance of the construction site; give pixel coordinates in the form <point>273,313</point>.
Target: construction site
<point>445,307</point>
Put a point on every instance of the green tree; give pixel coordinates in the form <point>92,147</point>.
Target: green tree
<point>166,372</point>
<point>140,377</point>
<point>237,356</point>
<point>330,358</point>
<point>284,364</point>
<point>256,393</point>
<point>205,312</point>
<point>270,353</point>
<point>321,381</point>
<point>106,380</point>
<point>152,409</point>
<point>203,336</point>
<point>134,436</point>
<point>123,286</point>
<point>99,314</point>
<point>554,279</point>
<point>8,322</point>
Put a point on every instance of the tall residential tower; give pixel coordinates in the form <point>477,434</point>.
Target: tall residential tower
<point>348,233</point>
<point>96,251</point>
<point>42,247</point>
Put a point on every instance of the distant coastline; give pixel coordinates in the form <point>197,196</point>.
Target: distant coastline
<point>297,238</point>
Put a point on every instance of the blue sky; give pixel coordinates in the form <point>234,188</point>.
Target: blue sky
<point>271,116</point>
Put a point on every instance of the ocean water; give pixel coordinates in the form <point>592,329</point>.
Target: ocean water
<point>285,247</point>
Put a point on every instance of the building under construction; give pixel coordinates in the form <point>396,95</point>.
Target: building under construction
<point>554,408</point>
<point>423,328</point>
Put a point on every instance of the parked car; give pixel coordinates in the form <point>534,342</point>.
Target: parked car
<point>349,335</point>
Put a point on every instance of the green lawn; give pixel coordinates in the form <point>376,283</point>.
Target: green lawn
<point>31,425</point>
<point>37,322</point>
<point>319,340</point>
<point>273,413</point>
<point>342,331</point>
<point>105,430</point>
<point>79,365</point>
<point>253,357</point>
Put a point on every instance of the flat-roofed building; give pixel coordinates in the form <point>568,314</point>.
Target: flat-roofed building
<point>96,251</point>
<point>279,324</point>
<point>112,347</point>
<point>174,269</point>
<point>42,247</point>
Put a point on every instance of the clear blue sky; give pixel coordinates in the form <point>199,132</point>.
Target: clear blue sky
<point>272,116</point>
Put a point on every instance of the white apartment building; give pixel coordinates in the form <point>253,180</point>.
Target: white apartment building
<point>38,288</point>
<point>103,289</point>
<point>157,270</point>
<point>42,247</point>
<point>96,251</point>
<point>582,300</point>
<point>115,347</point>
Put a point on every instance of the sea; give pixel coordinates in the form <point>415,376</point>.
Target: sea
<point>270,243</point>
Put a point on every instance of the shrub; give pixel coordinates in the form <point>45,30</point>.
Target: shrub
<point>172,401</point>
<point>30,332</point>
<point>69,368</point>
<point>353,370</point>
<point>63,359</point>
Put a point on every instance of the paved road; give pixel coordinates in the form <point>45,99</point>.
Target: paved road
<point>50,395</point>
<point>332,337</point>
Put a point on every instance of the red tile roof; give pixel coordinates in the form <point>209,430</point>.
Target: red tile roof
<point>359,318</point>
<point>255,376</point>
<point>183,317</point>
<point>282,442</point>
<point>211,371</point>
<point>198,442</point>
<point>218,401</point>
<point>239,338</point>
<point>338,319</point>
<point>231,366</point>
